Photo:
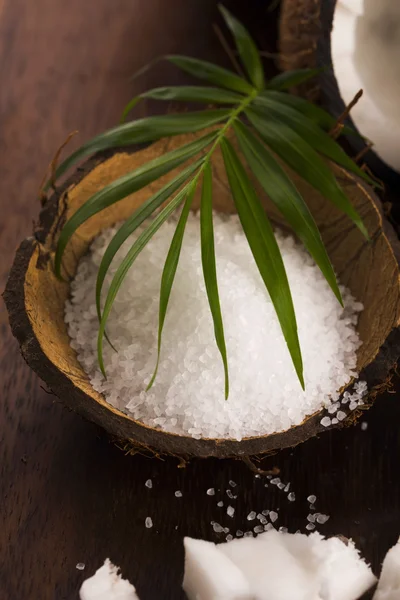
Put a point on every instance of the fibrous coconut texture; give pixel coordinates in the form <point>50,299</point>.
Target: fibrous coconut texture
<point>107,584</point>
<point>365,47</point>
<point>389,582</point>
<point>276,566</point>
<point>188,395</point>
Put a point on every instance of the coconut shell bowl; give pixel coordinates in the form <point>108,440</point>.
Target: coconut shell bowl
<point>35,297</point>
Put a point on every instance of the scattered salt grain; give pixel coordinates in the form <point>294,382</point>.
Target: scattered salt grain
<point>229,494</point>
<point>148,522</point>
<point>211,492</point>
<point>258,529</point>
<point>326,421</point>
<point>321,519</point>
<point>217,527</point>
<point>310,526</point>
<point>265,512</point>
<point>239,533</point>
<point>273,516</point>
<point>220,504</point>
<point>251,516</point>
<point>312,499</point>
<point>291,497</point>
<point>287,488</point>
<point>364,426</point>
<point>311,518</point>
<point>275,481</point>
<point>281,485</point>
<point>283,530</point>
<point>230,511</point>
<point>340,415</point>
<point>187,396</point>
<point>229,537</point>
<point>335,421</point>
<point>149,484</point>
<point>268,527</point>
<point>232,483</point>
<point>80,566</point>
<point>178,494</point>
<point>226,529</point>
<point>248,534</point>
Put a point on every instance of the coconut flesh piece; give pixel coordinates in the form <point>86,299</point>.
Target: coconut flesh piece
<point>107,584</point>
<point>365,46</point>
<point>389,582</point>
<point>279,566</point>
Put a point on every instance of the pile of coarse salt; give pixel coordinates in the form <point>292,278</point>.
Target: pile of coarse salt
<point>188,395</point>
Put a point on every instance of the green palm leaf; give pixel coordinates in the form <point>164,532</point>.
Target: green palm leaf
<point>264,247</point>
<point>185,93</point>
<point>211,73</point>
<point>247,49</point>
<point>303,159</point>
<point>311,133</point>
<point>130,225</point>
<point>128,184</point>
<point>142,131</point>
<point>169,271</point>
<point>209,267</point>
<point>128,261</point>
<point>289,79</point>
<point>285,196</point>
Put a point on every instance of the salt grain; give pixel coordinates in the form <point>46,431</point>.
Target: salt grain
<point>178,494</point>
<point>326,421</point>
<point>211,492</point>
<point>229,538</point>
<point>310,526</point>
<point>291,497</point>
<point>220,504</point>
<point>248,534</point>
<point>188,396</point>
<point>80,566</point>
<point>239,533</point>
<point>251,516</point>
<point>258,529</point>
<point>273,516</point>
<point>340,415</point>
<point>148,522</point>
<point>312,499</point>
<point>364,426</point>
<point>217,527</point>
<point>232,483</point>
<point>149,484</point>
<point>321,519</point>
<point>230,511</point>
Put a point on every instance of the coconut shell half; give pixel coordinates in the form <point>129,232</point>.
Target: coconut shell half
<point>35,298</point>
<point>305,42</point>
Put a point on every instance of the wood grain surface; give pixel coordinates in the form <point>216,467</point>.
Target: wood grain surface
<point>67,494</point>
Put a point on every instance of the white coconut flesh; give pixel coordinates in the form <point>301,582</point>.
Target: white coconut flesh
<point>365,46</point>
<point>276,566</point>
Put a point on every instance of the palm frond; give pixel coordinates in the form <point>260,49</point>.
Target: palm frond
<point>269,125</point>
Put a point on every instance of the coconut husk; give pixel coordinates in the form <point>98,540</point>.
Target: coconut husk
<point>35,298</point>
<point>305,29</point>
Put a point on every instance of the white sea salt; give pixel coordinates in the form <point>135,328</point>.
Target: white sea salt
<point>310,526</point>
<point>178,494</point>
<point>239,533</point>
<point>188,394</point>
<point>149,484</point>
<point>291,497</point>
<point>273,516</point>
<point>364,426</point>
<point>340,415</point>
<point>321,519</point>
<point>230,511</point>
<point>80,566</point>
<point>229,537</point>
<point>211,492</point>
<point>251,516</point>
<point>258,529</point>
<point>276,481</point>
<point>312,498</point>
<point>148,522</point>
<point>220,504</point>
<point>232,483</point>
<point>326,421</point>
<point>217,527</point>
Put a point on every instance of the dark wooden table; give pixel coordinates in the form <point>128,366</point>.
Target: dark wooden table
<point>67,494</point>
